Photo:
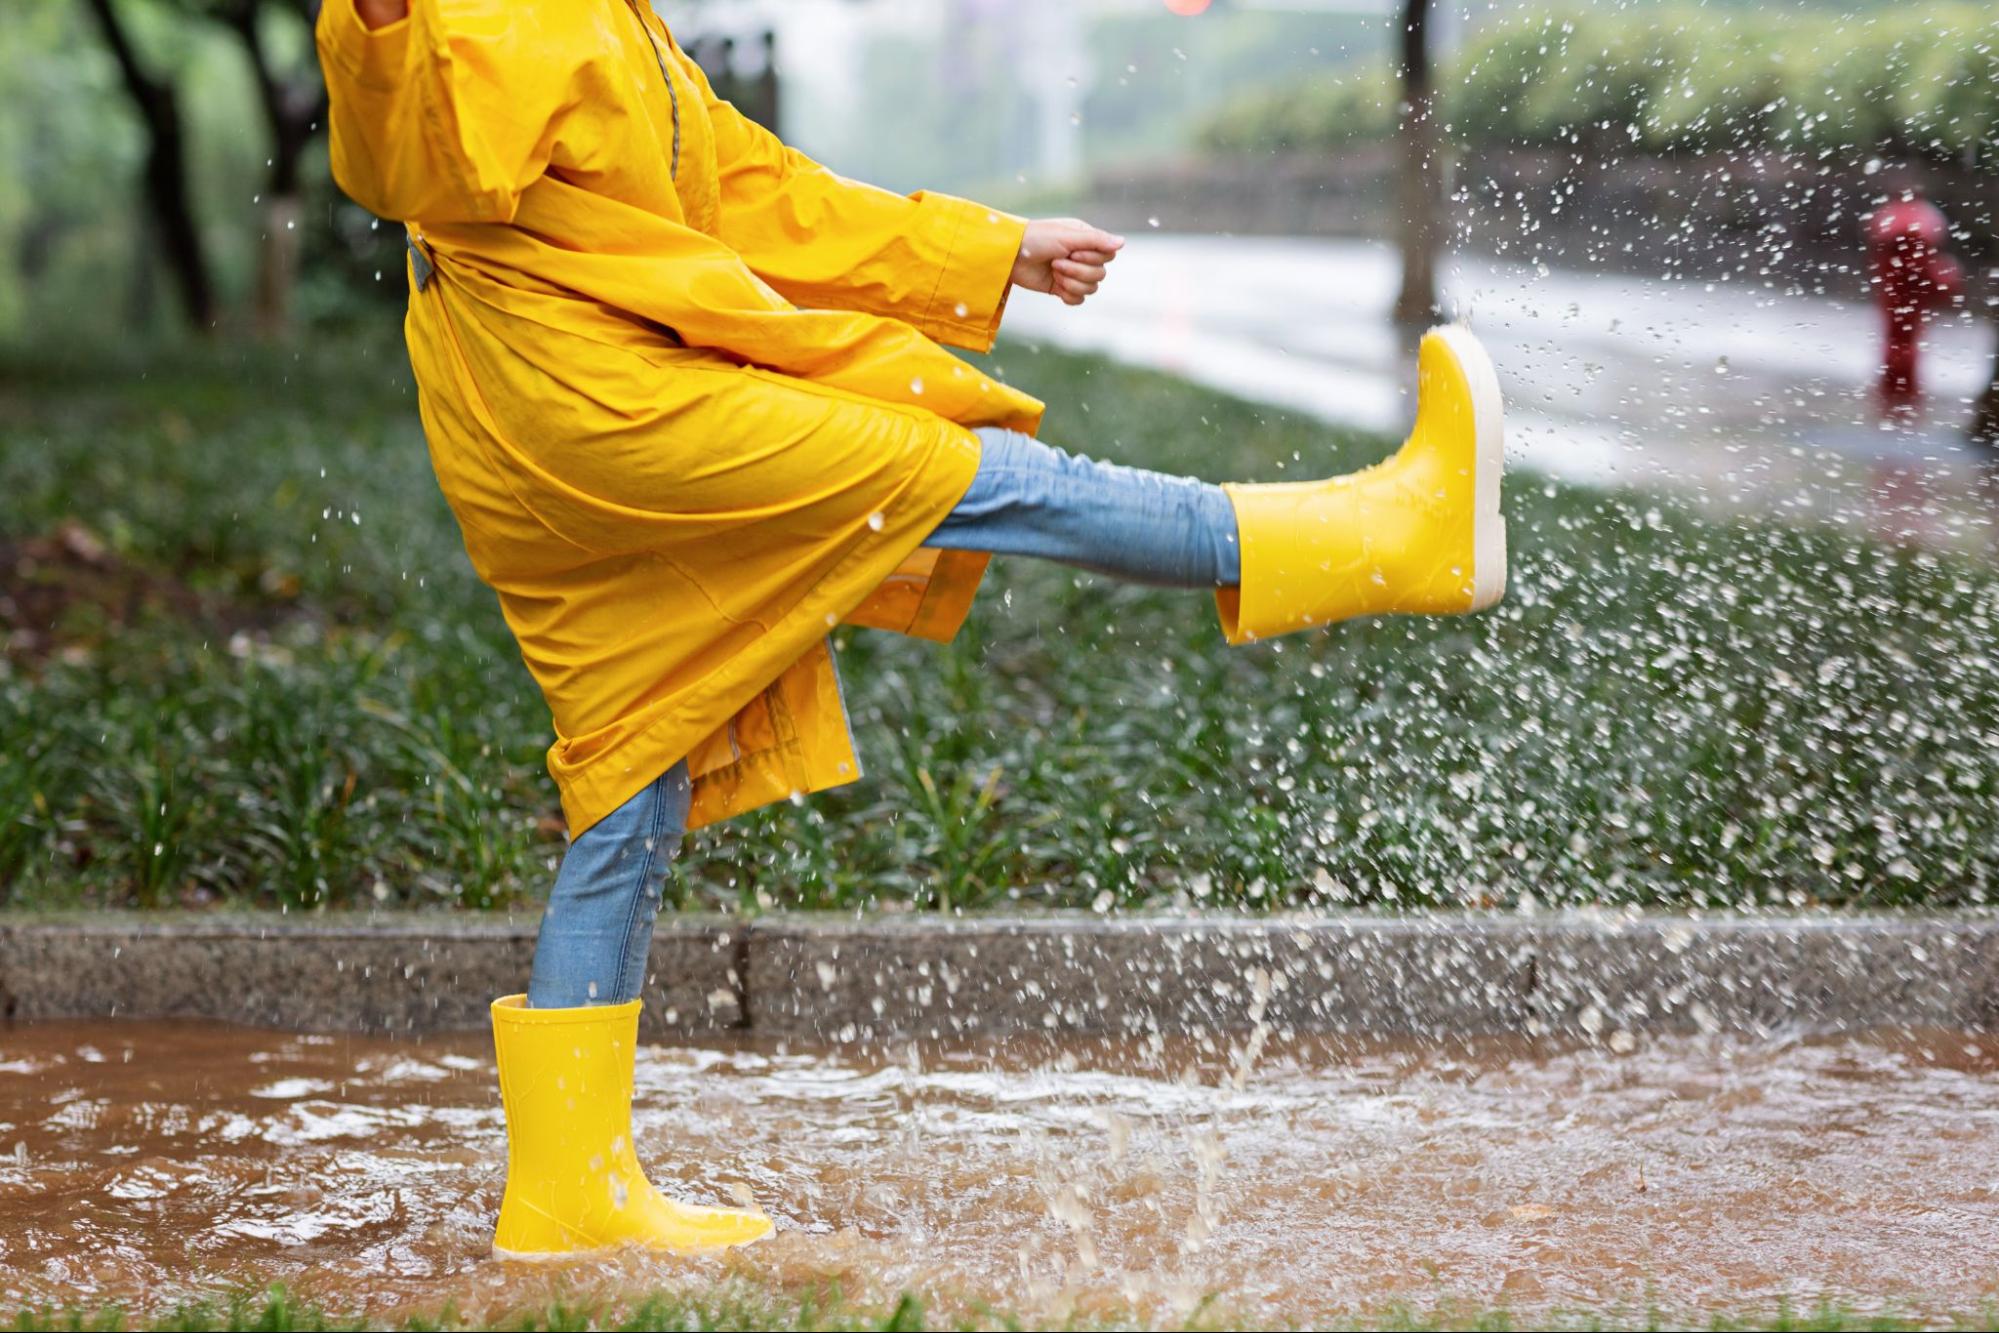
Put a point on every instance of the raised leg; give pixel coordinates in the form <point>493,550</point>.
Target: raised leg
<point>1030,498</point>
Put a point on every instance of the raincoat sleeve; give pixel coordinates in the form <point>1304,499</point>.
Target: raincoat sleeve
<point>700,287</point>
<point>444,116</point>
<point>939,263</point>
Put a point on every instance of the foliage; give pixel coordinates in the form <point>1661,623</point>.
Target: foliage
<point>1667,708</point>
<point>1332,109</point>
<point>727,1305</point>
<point>1919,81</point>
<point>73,225</point>
<point>1156,74</point>
<point>62,138</point>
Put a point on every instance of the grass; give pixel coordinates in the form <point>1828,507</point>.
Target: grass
<point>729,1307</point>
<point>324,709</point>
<point>738,1307</point>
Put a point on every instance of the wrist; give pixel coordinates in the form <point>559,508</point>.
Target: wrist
<point>379,13</point>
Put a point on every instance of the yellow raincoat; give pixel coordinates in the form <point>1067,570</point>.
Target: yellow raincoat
<point>678,382</point>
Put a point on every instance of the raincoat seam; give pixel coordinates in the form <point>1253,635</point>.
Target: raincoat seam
<point>471,385</point>
<point>782,724</point>
<point>788,749</point>
<point>706,596</point>
<point>788,756</point>
<point>979,337</point>
<point>568,294</point>
<point>441,113</point>
<point>840,695</point>
<point>655,833</point>
<point>341,16</point>
<point>672,93</point>
<point>944,269</point>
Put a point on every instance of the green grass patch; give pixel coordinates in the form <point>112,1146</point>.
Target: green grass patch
<point>726,1307</point>
<point>302,696</point>
<point>740,1306</point>
<point>1915,81</point>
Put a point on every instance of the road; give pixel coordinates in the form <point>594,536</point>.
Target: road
<point>1740,395</point>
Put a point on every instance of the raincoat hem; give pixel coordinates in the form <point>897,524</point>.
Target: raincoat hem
<point>595,786</point>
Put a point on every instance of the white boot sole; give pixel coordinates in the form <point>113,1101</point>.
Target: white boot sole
<point>606,1251</point>
<point>1489,434</point>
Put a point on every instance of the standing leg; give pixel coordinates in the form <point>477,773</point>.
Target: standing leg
<point>565,1052</point>
<point>596,932</point>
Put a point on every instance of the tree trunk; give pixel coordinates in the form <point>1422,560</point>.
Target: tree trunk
<point>277,264</point>
<point>166,173</point>
<point>1420,189</point>
<point>293,110</point>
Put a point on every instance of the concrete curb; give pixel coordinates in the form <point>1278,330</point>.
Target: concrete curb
<point>377,974</point>
<point>847,980</point>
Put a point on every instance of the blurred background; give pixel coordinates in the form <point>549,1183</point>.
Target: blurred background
<point>166,173</point>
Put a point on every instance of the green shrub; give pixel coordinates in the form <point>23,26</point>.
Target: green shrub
<point>1668,708</point>
<point>1322,111</point>
<point>1677,78</point>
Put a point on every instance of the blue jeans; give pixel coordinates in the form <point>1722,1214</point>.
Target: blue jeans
<point>1143,527</point>
<point>1027,499</point>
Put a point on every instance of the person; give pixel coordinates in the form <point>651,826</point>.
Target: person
<point>683,389</point>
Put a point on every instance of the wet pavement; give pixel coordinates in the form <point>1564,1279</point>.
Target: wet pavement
<point>1285,1183</point>
<point>1739,395</point>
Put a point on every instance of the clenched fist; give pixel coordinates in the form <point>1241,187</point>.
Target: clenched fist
<point>1064,257</point>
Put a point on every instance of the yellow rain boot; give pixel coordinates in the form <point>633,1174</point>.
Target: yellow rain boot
<point>1421,532</point>
<point>574,1183</point>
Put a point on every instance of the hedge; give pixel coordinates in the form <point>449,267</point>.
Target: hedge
<point>1912,82</point>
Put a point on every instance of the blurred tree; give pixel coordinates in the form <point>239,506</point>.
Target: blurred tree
<point>293,101</point>
<point>1421,184</point>
<point>747,84</point>
<point>166,181</point>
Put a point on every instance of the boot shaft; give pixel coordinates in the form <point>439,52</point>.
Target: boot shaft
<point>566,1083</point>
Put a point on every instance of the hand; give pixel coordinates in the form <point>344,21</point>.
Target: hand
<point>379,13</point>
<point>1064,257</point>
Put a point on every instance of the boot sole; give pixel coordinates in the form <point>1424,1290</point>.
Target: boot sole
<point>599,1251</point>
<point>605,1251</point>
<point>1489,435</point>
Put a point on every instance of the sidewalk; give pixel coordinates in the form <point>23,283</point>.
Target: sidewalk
<point>1740,397</point>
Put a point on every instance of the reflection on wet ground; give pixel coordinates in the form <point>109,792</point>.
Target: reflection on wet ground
<point>143,1162</point>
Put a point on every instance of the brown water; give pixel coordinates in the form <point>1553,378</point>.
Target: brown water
<point>143,1162</point>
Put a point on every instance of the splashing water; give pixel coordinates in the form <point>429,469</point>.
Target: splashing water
<point>144,1162</point>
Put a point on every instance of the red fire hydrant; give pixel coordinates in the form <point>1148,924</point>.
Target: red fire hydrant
<point>1911,276</point>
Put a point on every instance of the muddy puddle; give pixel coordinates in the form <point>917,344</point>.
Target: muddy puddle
<point>146,1162</point>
